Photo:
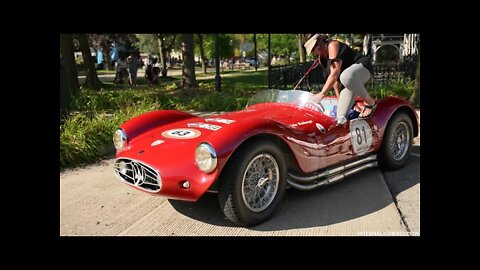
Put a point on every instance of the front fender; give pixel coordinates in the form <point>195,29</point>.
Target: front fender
<point>227,140</point>
<point>147,121</point>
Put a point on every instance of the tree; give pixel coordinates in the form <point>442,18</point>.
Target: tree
<point>415,98</point>
<point>66,53</point>
<point>301,49</point>
<point>91,79</point>
<point>225,43</point>
<point>202,53</point>
<point>165,44</point>
<point>147,43</point>
<point>282,44</point>
<point>411,49</point>
<point>161,44</point>
<point>188,71</point>
<point>105,41</point>
<point>65,91</point>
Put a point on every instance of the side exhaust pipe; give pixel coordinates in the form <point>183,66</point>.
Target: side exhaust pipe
<point>331,175</point>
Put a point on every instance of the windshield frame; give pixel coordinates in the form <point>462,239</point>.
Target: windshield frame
<point>295,97</point>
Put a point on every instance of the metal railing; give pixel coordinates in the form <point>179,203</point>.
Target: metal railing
<point>287,76</point>
<point>387,73</point>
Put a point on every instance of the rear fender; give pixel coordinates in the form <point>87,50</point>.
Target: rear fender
<point>387,108</point>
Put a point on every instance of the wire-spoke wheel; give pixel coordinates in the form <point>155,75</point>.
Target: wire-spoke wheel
<point>253,183</point>
<point>260,182</point>
<point>397,142</point>
<point>400,140</point>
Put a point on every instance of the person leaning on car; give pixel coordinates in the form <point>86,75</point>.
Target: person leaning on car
<point>342,67</point>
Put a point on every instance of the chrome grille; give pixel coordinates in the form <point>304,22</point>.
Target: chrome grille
<point>138,174</point>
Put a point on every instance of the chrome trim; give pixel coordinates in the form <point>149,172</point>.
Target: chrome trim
<point>260,182</point>
<point>123,135</point>
<point>213,156</point>
<point>309,179</point>
<point>140,175</point>
<point>333,178</point>
<point>400,141</point>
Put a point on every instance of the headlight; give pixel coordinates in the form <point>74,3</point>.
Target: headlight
<point>119,139</point>
<point>205,158</point>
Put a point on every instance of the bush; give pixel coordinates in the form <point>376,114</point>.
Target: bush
<point>96,114</point>
<point>404,90</point>
<point>83,136</point>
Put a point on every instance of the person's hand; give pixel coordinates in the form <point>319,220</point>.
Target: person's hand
<point>318,97</point>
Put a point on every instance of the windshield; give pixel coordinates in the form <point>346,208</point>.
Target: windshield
<point>296,97</point>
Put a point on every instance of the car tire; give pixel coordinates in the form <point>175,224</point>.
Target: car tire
<point>397,142</point>
<point>253,183</point>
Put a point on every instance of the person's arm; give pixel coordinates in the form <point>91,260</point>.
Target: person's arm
<point>335,66</point>
<point>336,87</point>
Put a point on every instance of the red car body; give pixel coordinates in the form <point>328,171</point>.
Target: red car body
<point>309,139</point>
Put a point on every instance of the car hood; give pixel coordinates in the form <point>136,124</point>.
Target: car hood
<point>179,139</point>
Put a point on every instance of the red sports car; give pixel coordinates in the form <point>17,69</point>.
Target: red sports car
<point>281,138</point>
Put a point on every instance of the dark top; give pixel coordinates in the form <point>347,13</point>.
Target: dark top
<point>348,57</point>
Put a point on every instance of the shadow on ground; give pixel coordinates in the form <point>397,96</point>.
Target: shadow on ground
<point>361,194</point>
<point>408,176</point>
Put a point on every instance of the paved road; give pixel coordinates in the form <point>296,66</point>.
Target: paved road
<point>94,202</point>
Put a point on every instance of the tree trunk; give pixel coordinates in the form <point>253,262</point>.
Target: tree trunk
<point>164,62</point>
<point>415,98</point>
<point>91,79</point>
<point>66,51</point>
<point>188,71</point>
<point>65,92</point>
<point>166,51</point>
<point>256,54</point>
<point>106,56</point>
<point>301,49</point>
<point>163,57</point>
<point>202,53</point>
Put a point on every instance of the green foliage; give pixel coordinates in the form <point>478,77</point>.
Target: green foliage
<point>281,44</point>
<point>399,89</point>
<point>98,113</point>
<point>228,100</point>
<point>147,43</point>
<point>83,136</point>
<point>226,43</point>
<point>284,44</point>
<point>104,41</point>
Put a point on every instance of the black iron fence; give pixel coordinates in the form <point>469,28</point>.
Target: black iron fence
<point>287,76</point>
<point>386,73</point>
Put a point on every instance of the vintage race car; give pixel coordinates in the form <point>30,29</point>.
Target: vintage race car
<point>249,157</point>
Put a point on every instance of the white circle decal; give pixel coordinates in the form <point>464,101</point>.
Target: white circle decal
<point>181,133</point>
<point>361,135</point>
